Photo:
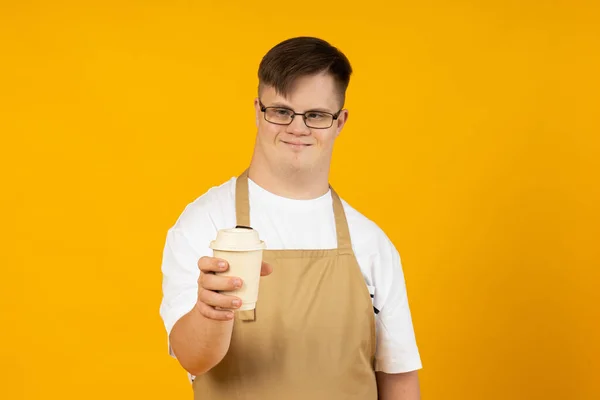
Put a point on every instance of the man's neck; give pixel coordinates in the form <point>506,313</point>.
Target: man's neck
<point>292,184</point>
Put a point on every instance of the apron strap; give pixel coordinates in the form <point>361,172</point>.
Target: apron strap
<point>242,204</point>
<point>341,223</point>
<point>242,210</point>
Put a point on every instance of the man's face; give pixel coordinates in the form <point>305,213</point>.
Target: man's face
<point>296,146</point>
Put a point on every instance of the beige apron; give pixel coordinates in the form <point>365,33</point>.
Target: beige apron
<point>312,334</point>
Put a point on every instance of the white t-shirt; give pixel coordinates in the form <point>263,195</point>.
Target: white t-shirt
<point>285,223</point>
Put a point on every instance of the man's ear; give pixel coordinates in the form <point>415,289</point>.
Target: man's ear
<point>341,121</point>
<point>257,110</point>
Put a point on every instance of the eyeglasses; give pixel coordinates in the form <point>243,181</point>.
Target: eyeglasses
<point>285,116</point>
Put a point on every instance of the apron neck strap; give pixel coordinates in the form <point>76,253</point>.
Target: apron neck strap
<point>242,204</point>
<point>242,209</point>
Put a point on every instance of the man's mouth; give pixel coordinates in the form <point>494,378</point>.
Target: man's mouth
<point>297,144</point>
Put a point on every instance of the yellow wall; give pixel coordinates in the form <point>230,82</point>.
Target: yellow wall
<point>473,141</point>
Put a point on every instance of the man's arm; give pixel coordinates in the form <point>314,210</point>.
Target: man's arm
<point>404,386</point>
<point>396,345</point>
<point>200,339</point>
<point>200,343</point>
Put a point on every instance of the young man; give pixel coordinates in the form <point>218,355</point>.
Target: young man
<point>332,320</point>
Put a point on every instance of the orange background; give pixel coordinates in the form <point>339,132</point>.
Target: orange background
<point>473,141</point>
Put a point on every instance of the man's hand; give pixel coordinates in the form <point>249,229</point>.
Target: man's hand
<point>201,338</point>
<point>214,305</point>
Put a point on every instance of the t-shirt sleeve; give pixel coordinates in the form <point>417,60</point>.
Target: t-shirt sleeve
<point>185,243</point>
<point>397,349</point>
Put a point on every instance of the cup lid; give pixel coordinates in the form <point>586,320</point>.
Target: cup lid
<point>237,239</point>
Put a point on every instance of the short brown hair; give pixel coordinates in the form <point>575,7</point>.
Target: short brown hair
<point>303,56</point>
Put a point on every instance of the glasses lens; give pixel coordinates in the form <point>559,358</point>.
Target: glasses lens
<point>279,115</point>
<point>319,120</point>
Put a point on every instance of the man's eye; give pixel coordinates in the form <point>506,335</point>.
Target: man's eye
<point>316,115</point>
<point>282,112</point>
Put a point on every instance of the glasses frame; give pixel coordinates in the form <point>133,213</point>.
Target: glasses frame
<point>264,109</point>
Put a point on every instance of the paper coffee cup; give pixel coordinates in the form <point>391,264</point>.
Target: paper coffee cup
<point>242,249</point>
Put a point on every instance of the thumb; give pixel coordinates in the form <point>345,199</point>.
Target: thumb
<point>265,269</point>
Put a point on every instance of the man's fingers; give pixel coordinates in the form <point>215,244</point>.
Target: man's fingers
<point>212,264</point>
<point>265,269</point>
<point>218,300</point>
<point>210,313</point>
<point>217,282</point>
<point>211,303</point>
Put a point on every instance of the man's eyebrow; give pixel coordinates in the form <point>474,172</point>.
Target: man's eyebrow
<point>281,105</point>
<point>320,109</point>
<point>317,109</point>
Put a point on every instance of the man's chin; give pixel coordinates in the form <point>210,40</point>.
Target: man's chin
<point>298,166</point>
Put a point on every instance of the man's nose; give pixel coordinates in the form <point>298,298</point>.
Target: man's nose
<point>298,127</point>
